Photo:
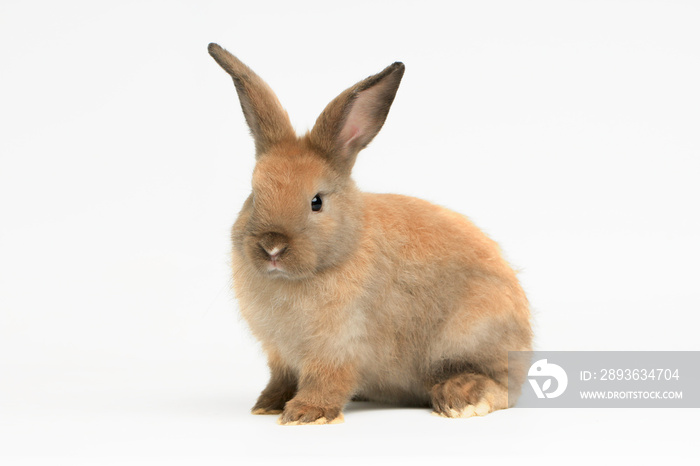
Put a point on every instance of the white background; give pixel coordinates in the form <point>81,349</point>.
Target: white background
<point>567,130</point>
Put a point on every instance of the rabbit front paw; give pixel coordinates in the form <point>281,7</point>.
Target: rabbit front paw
<point>272,401</point>
<point>299,413</point>
<point>266,406</point>
<point>278,392</point>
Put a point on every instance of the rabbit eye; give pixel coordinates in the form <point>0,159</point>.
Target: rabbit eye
<point>316,203</point>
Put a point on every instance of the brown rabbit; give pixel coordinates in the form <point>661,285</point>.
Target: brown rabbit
<point>357,295</point>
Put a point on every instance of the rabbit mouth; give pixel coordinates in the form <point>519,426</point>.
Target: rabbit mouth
<point>274,266</point>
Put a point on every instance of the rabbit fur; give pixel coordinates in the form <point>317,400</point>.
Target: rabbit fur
<point>377,297</point>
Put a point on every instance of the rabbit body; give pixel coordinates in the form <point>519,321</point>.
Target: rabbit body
<point>369,296</point>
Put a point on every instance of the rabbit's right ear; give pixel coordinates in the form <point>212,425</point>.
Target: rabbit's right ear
<point>268,121</point>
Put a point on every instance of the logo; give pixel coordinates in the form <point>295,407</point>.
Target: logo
<point>544,370</point>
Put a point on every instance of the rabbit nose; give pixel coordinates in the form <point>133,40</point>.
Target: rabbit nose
<point>275,252</point>
<point>274,244</point>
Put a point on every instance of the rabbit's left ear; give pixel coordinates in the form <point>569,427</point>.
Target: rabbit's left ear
<point>354,118</point>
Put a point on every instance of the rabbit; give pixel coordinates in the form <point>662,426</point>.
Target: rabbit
<point>361,296</point>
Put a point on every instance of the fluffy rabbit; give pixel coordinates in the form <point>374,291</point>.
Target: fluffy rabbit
<point>364,296</point>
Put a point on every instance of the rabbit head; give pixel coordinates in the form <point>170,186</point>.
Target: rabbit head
<point>305,213</point>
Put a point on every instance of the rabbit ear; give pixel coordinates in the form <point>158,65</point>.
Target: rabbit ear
<point>353,118</point>
<point>268,121</point>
